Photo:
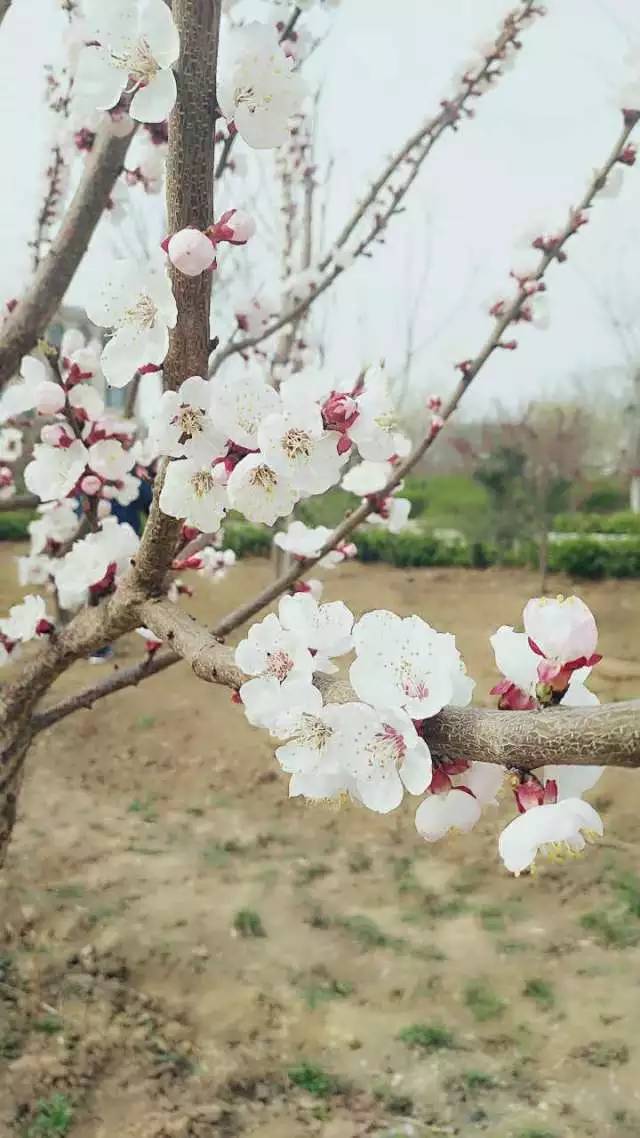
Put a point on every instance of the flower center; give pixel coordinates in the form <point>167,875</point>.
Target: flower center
<point>388,746</point>
<point>388,421</point>
<point>143,313</point>
<point>279,664</point>
<point>264,478</point>
<point>247,96</point>
<point>314,733</point>
<point>297,444</point>
<point>190,421</point>
<point>412,687</point>
<point>202,483</point>
<point>138,61</point>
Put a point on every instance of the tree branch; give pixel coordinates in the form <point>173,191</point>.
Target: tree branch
<point>4,8</point>
<point>55,273</point>
<point>606,736</point>
<point>415,150</point>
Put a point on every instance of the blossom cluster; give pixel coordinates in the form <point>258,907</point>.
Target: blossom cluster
<point>403,672</point>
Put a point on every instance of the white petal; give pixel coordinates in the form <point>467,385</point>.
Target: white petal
<point>440,813</point>
<point>160,32</point>
<point>155,102</point>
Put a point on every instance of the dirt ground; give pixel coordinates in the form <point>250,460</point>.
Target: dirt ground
<point>186,953</point>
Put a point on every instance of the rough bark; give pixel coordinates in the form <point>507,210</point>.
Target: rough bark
<point>55,273</point>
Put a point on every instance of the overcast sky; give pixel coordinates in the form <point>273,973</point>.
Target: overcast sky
<point>527,154</point>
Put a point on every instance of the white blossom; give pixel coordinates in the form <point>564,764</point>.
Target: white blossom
<point>10,444</point>
<point>269,650</point>
<point>137,43</point>
<point>191,491</point>
<point>57,524</point>
<point>302,540</point>
<point>24,619</point>
<point>378,432</point>
<point>109,459</point>
<point>384,754</point>
<point>401,662</point>
<point>88,561</point>
<point>367,478</point>
<point>140,306</point>
<point>259,492</point>
<point>266,700</point>
<point>36,390</point>
<point>191,251</point>
<point>555,830</point>
<point>395,515</point>
<point>519,663</point>
<point>182,425</point>
<point>453,810</point>
<point>259,91</point>
<point>239,405</point>
<point>54,471</point>
<point>564,630</point>
<point>325,629</point>
<point>295,444</point>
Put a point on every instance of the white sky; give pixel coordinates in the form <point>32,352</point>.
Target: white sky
<point>528,153</point>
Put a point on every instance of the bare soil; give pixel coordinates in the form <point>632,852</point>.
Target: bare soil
<point>186,953</point>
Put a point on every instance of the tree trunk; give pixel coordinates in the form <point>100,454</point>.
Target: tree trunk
<point>11,773</point>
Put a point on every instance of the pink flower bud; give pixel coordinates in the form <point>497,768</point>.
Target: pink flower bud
<point>339,412</point>
<point>191,252</point>
<point>90,484</point>
<point>235,226</point>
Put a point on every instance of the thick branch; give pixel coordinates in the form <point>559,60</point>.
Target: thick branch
<point>605,736</point>
<point>18,502</point>
<point>55,273</point>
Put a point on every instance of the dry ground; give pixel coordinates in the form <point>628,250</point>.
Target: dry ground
<point>187,954</point>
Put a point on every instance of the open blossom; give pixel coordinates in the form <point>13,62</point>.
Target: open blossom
<point>36,390</point>
<point>259,90</point>
<point>191,491</point>
<point>384,755</point>
<point>403,662</point>
<point>378,432</point>
<point>456,809</point>
<point>135,45</point>
<point>109,459</point>
<point>57,523</point>
<point>552,830</point>
<point>269,650</point>
<point>564,633</point>
<point>325,629</point>
<point>367,478</point>
<point>239,405</point>
<point>295,443</point>
<point>182,425</point>
<point>10,444</point>
<point>302,540</point>
<point>519,664</point>
<point>392,513</point>
<point>261,493</point>
<point>572,781</point>
<point>26,620</point>
<point>191,251</point>
<point>316,741</point>
<point>54,470</point>
<point>95,561</point>
<point>266,700</point>
<point>140,306</point>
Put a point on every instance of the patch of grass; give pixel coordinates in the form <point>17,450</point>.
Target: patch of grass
<point>145,722</point>
<point>602,1054</point>
<point>428,1037</point>
<point>537,1133</point>
<point>367,933</point>
<point>309,872</point>
<point>53,1118</point>
<point>628,887</point>
<point>483,1003</point>
<point>479,1081</point>
<point>492,919</point>
<point>611,928</point>
<point>10,1045</point>
<point>216,855</point>
<point>70,892</point>
<point>359,861</point>
<point>248,923</point>
<point>324,991</point>
<point>145,808</point>
<point>315,1080</point>
<point>540,991</point>
<point>510,947</point>
<point>48,1025</point>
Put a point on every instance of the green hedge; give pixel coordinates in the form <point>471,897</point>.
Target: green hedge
<point>588,557</point>
<point>622,522</point>
<point>14,525</point>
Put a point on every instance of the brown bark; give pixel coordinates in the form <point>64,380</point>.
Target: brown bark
<point>55,273</point>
